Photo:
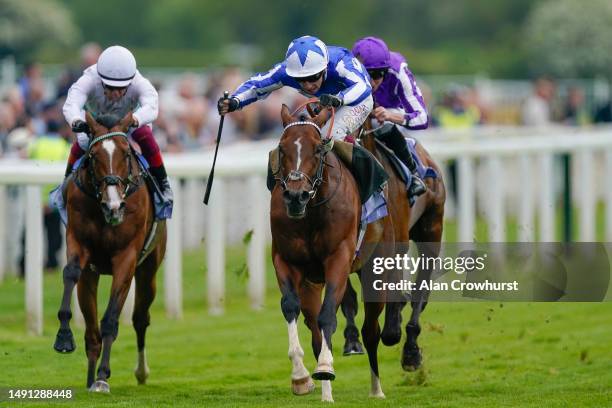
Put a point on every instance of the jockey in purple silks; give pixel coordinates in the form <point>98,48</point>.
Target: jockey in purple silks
<point>397,99</point>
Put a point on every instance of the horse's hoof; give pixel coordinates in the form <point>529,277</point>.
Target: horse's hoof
<point>352,348</point>
<point>411,358</point>
<point>142,375</point>
<point>390,337</point>
<point>302,386</point>
<point>379,395</point>
<point>64,341</point>
<point>100,386</point>
<point>324,372</point>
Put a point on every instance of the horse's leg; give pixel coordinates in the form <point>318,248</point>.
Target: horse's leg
<point>64,341</point>
<point>337,267</point>
<point>349,308</point>
<point>88,300</point>
<point>123,266</point>
<point>427,236</point>
<point>371,337</point>
<point>288,280</point>
<point>310,303</point>
<point>145,293</point>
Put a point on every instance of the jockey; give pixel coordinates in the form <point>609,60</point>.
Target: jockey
<point>115,86</point>
<point>331,73</point>
<point>398,100</point>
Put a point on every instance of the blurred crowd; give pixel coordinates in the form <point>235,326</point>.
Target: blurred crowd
<point>31,109</point>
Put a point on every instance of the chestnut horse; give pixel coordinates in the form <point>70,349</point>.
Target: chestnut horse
<point>110,215</point>
<point>315,215</point>
<point>421,223</point>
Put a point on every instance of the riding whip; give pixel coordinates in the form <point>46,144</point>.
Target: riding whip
<point>212,170</point>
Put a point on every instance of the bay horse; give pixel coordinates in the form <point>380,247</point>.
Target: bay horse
<point>421,223</point>
<point>110,215</point>
<point>315,215</point>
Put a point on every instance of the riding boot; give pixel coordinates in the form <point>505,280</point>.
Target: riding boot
<point>162,181</point>
<point>394,139</point>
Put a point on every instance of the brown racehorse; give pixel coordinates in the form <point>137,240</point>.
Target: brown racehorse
<point>315,214</point>
<point>110,215</point>
<point>422,224</point>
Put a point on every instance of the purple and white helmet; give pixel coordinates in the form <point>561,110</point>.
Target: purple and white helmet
<point>372,52</point>
<point>306,56</point>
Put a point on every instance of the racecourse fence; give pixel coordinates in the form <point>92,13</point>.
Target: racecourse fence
<point>501,172</point>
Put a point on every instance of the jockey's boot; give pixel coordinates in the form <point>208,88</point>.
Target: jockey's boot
<point>162,181</point>
<point>394,139</point>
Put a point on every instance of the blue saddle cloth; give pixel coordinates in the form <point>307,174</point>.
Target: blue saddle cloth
<point>422,170</point>
<point>163,209</point>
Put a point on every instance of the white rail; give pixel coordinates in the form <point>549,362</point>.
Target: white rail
<point>508,154</point>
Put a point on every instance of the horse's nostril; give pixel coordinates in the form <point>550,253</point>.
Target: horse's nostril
<point>304,196</point>
<point>122,205</point>
<point>287,195</point>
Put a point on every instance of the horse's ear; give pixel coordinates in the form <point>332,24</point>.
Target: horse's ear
<point>91,122</point>
<point>321,118</point>
<point>125,123</point>
<point>285,115</point>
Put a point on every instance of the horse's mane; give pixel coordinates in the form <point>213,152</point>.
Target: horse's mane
<point>108,120</point>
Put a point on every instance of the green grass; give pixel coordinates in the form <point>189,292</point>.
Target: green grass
<point>476,354</point>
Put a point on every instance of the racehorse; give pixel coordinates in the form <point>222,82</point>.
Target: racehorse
<point>110,216</point>
<point>315,215</point>
<point>421,223</point>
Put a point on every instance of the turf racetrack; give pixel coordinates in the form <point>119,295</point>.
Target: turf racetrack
<point>476,354</point>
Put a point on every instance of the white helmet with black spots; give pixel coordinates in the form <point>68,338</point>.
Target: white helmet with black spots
<point>116,66</point>
<point>306,56</point>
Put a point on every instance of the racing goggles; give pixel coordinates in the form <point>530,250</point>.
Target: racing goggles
<point>378,73</point>
<point>312,78</point>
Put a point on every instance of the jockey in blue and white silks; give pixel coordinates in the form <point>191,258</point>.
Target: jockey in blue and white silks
<point>330,73</point>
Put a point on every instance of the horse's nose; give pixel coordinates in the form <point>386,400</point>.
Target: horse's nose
<point>296,196</point>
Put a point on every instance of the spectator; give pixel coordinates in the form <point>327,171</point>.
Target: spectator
<point>575,112</point>
<point>536,110</point>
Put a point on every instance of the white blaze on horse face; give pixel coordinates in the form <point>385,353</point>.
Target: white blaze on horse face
<point>296,353</point>
<point>299,153</point>
<point>113,194</point>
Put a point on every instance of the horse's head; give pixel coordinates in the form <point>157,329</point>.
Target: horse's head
<point>302,156</point>
<point>110,166</point>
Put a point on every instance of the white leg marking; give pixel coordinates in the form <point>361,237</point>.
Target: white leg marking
<point>326,391</point>
<point>376,390</point>
<point>299,153</point>
<point>142,368</point>
<point>326,360</point>
<point>296,353</point>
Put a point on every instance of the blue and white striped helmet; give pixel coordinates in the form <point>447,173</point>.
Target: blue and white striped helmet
<point>306,56</point>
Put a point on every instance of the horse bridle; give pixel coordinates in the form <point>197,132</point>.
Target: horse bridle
<point>110,179</point>
<point>296,175</point>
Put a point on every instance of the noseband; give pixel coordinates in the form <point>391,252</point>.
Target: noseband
<point>110,179</point>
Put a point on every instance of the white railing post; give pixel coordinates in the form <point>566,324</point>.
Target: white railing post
<point>257,246</point>
<point>587,196</point>
<point>495,211</point>
<point>607,183</point>
<point>3,237</point>
<point>34,260</point>
<point>128,306</point>
<point>466,198</point>
<point>547,197</point>
<point>215,245</point>
<point>526,228</point>
<point>192,210</point>
<point>173,268</point>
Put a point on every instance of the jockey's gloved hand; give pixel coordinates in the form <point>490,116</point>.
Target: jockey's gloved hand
<point>78,126</point>
<point>231,105</point>
<point>330,100</point>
